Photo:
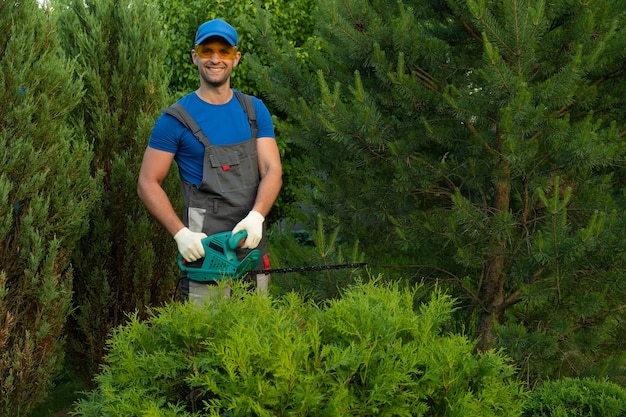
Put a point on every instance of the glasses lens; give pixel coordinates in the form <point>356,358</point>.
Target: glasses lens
<point>207,50</point>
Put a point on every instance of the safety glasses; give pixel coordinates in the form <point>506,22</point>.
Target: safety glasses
<point>207,50</point>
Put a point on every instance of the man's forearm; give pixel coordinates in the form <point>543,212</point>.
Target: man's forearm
<point>268,191</point>
<point>159,206</point>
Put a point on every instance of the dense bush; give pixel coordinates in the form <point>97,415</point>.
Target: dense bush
<point>126,260</point>
<point>46,191</point>
<point>375,351</point>
<point>572,397</point>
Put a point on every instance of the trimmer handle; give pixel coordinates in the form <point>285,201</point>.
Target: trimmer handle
<point>236,240</point>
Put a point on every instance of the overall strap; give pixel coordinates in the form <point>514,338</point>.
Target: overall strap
<point>248,107</point>
<point>179,112</point>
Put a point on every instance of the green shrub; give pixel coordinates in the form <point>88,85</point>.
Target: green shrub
<point>571,397</point>
<point>375,351</point>
<point>46,192</point>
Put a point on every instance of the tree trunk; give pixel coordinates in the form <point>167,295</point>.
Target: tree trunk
<point>492,298</point>
<point>492,291</point>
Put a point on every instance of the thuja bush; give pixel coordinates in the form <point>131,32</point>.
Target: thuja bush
<point>374,351</point>
<point>572,397</point>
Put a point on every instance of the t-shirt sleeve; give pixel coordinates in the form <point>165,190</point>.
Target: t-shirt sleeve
<point>164,134</point>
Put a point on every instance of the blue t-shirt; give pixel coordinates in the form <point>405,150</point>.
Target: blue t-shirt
<point>224,124</point>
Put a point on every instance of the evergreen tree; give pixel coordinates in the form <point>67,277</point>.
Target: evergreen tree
<point>46,192</point>
<point>125,262</point>
<point>476,141</point>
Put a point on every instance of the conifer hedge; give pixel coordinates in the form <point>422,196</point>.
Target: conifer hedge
<point>374,351</point>
<point>46,191</point>
<point>126,261</point>
<point>572,397</point>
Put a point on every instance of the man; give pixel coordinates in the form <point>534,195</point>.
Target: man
<point>229,182</point>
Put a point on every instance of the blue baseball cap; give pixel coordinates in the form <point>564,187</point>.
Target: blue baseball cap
<point>216,27</point>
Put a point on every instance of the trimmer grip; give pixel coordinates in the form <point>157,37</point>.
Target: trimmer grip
<point>236,240</point>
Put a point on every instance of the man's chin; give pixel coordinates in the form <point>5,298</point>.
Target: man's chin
<point>216,83</point>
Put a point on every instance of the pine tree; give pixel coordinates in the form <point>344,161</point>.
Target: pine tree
<point>126,262</point>
<point>477,141</point>
<point>46,192</point>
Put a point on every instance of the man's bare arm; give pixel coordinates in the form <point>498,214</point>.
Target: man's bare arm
<point>271,173</point>
<point>154,168</point>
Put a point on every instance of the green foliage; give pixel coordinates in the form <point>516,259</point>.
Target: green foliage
<point>570,397</point>
<point>477,141</point>
<point>125,262</point>
<point>372,352</point>
<point>297,248</point>
<point>46,191</point>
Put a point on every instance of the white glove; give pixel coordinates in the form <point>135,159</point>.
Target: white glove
<point>190,244</point>
<point>253,224</point>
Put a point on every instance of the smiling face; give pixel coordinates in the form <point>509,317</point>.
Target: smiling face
<point>215,59</point>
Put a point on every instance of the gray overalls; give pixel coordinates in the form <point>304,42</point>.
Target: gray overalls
<point>230,179</point>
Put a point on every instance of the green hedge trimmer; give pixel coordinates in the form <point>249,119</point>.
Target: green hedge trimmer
<point>221,262</point>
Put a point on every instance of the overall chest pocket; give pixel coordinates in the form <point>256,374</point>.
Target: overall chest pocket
<point>224,161</point>
<point>232,171</point>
